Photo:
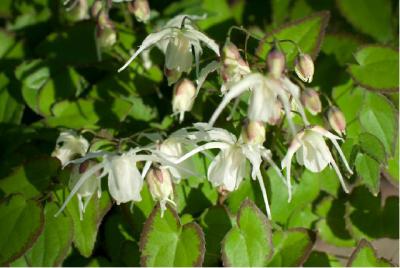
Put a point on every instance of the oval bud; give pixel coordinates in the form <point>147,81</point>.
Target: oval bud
<point>253,132</point>
<point>276,62</point>
<point>337,120</point>
<point>183,97</point>
<point>105,32</point>
<point>79,10</point>
<point>96,8</point>
<point>141,10</point>
<point>304,67</point>
<point>310,99</point>
<point>160,184</point>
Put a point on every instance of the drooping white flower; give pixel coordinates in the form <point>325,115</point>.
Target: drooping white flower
<point>228,168</point>
<point>313,153</point>
<point>69,145</point>
<point>179,41</point>
<point>160,186</point>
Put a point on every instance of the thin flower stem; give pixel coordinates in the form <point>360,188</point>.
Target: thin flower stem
<point>242,29</point>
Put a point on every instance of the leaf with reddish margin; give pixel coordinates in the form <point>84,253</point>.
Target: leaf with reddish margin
<point>365,255</point>
<point>249,243</point>
<point>165,242</point>
<point>308,33</point>
<point>21,223</point>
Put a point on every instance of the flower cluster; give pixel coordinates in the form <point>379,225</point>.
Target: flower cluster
<point>274,95</point>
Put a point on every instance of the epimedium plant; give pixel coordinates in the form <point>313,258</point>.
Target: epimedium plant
<point>155,134</point>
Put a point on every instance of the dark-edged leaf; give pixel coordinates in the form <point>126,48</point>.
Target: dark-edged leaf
<point>52,246</point>
<point>307,33</point>
<point>165,242</point>
<point>249,243</point>
<point>365,256</point>
<point>372,146</point>
<point>21,222</point>
<point>377,68</point>
<point>292,247</point>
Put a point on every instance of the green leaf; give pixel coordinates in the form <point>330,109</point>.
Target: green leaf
<point>377,68</point>
<point>10,110</point>
<point>215,222</point>
<point>21,222</point>
<point>342,46</point>
<point>165,242</point>
<point>85,230</point>
<point>372,146</point>
<point>307,33</point>
<point>322,259</point>
<point>248,243</point>
<point>365,256</point>
<point>302,217</point>
<point>392,169</point>
<point>369,170</point>
<point>292,247</point>
<point>378,117</point>
<point>372,17</point>
<point>52,246</point>
<point>279,11</point>
<point>31,179</point>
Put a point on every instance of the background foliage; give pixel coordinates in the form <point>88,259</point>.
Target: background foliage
<point>50,79</point>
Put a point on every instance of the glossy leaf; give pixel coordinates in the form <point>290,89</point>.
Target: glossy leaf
<point>249,243</point>
<point>372,146</point>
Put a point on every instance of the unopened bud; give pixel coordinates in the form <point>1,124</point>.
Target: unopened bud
<point>160,184</point>
<point>183,97</point>
<point>78,10</point>
<point>276,62</point>
<point>304,67</point>
<point>96,8</point>
<point>230,53</point>
<point>310,100</point>
<point>337,120</point>
<point>105,32</point>
<point>141,10</point>
<point>253,132</point>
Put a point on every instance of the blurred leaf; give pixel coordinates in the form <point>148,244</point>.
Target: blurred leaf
<point>292,247</point>
<point>377,68</point>
<point>216,223</point>
<point>9,47</point>
<point>52,246</point>
<point>369,171</point>
<point>378,117</point>
<point>372,17</point>
<point>10,110</point>
<point>21,222</point>
<point>279,11</point>
<point>85,230</point>
<point>322,259</point>
<point>392,169</point>
<point>342,46</point>
<point>365,256</point>
<point>248,243</point>
<point>307,33</point>
<point>165,242</point>
<point>31,179</point>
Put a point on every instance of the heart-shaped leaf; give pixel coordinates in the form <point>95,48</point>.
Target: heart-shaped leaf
<point>165,242</point>
<point>249,243</point>
<point>365,256</point>
<point>292,247</point>
<point>307,33</point>
<point>52,246</point>
<point>21,222</point>
<point>377,68</point>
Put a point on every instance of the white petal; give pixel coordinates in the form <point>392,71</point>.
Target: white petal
<point>211,67</point>
<point>150,41</point>
<point>197,35</point>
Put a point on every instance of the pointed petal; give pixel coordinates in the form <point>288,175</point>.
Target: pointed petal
<point>209,68</point>
<point>197,35</point>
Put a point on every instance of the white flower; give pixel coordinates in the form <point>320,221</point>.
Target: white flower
<point>69,145</point>
<point>268,95</point>
<point>312,152</point>
<point>228,168</point>
<point>160,186</point>
<point>176,40</point>
<point>88,188</point>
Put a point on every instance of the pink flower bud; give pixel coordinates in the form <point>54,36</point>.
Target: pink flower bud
<point>105,32</point>
<point>337,120</point>
<point>141,10</point>
<point>304,67</point>
<point>253,132</point>
<point>183,97</point>
<point>160,184</point>
<point>276,62</point>
<point>310,99</point>
<point>96,8</point>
